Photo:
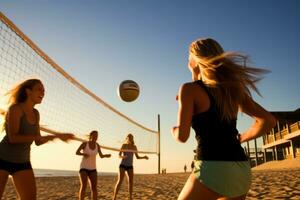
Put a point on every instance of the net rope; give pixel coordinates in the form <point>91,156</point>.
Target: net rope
<point>68,106</point>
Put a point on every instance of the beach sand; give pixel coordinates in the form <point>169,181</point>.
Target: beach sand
<point>275,180</point>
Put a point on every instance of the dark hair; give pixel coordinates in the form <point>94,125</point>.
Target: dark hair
<point>130,137</point>
<point>93,132</point>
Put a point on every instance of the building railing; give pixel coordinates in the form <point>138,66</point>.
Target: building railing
<point>269,138</point>
<point>284,132</point>
<point>295,127</point>
<point>272,140</point>
<point>278,135</point>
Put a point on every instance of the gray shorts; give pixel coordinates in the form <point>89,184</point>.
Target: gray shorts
<point>227,178</point>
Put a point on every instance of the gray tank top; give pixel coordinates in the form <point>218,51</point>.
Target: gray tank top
<point>128,161</point>
<point>19,152</point>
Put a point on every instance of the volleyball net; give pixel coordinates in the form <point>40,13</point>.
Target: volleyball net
<point>68,106</point>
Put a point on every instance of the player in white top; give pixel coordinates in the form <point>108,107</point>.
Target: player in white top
<point>88,169</point>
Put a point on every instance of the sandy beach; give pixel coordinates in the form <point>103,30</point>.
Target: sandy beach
<point>273,180</point>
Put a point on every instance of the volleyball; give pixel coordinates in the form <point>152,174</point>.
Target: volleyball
<point>128,90</point>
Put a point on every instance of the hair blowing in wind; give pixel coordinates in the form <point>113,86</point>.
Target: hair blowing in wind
<point>226,74</point>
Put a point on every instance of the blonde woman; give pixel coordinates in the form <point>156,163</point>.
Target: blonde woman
<point>22,128</point>
<point>210,104</point>
<point>126,154</point>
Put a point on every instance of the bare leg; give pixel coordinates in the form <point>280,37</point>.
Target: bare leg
<point>119,182</point>
<point>3,180</point>
<point>83,183</point>
<point>195,190</point>
<point>93,185</point>
<point>24,182</point>
<point>130,182</point>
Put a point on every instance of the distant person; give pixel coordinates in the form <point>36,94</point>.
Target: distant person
<point>210,104</point>
<point>88,170</point>
<point>192,166</point>
<point>126,153</point>
<point>184,168</point>
<point>22,128</point>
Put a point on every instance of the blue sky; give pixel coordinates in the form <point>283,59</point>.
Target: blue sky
<point>101,43</point>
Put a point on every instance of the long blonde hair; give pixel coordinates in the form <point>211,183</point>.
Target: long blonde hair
<point>18,94</point>
<point>225,74</point>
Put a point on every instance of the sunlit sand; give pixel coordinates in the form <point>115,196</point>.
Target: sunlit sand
<point>273,180</point>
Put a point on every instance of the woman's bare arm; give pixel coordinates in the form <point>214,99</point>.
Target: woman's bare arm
<point>181,132</point>
<point>264,121</point>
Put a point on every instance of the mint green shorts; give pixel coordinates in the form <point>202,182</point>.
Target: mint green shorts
<point>227,178</point>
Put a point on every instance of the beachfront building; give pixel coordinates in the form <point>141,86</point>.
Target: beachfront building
<point>283,141</point>
<point>255,155</point>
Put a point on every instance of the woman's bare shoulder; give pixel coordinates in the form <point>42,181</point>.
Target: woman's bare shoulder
<point>191,88</point>
<point>15,109</point>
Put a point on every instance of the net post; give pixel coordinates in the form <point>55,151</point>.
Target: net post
<point>158,142</point>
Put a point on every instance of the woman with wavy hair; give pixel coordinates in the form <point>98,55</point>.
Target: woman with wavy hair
<point>210,104</point>
<point>22,128</point>
<point>128,149</point>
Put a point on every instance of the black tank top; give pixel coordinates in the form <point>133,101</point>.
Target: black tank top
<point>217,138</point>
